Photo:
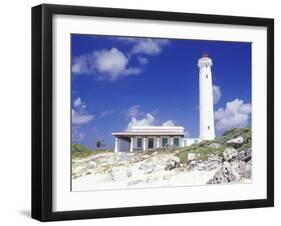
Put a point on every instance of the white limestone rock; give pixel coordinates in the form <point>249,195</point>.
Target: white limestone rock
<point>121,173</point>
<point>225,174</point>
<point>236,142</point>
<point>167,176</point>
<point>244,169</point>
<point>214,157</point>
<point>215,145</point>
<point>191,156</point>
<point>201,166</point>
<point>172,162</point>
<point>152,179</point>
<point>211,165</point>
<point>245,155</point>
<point>147,167</point>
<point>134,182</point>
<point>93,164</point>
<point>192,164</point>
<point>247,173</point>
<point>87,173</point>
<point>230,154</point>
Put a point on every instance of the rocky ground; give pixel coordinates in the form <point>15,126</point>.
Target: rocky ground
<point>219,162</point>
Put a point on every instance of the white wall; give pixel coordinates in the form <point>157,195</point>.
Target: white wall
<point>15,112</point>
<point>190,141</point>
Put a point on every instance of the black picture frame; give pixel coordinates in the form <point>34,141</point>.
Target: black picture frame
<point>42,111</point>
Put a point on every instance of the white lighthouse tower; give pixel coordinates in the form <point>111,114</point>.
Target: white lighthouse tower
<point>206,105</point>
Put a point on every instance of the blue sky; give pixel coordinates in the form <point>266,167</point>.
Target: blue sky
<point>118,82</point>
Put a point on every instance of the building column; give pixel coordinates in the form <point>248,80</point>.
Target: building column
<point>157,142</point>
<point>132,144</point>
<point>117,144</point>
<point>171,140</point>
<point>144,143</point>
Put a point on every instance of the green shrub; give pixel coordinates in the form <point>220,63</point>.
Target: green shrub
<point>246,133</point>
<point>183,156</point>
<point>80,151</point>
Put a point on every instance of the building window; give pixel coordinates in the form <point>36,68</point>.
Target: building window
<point>195,141</point>
<point>164,141</point>
<point>208,127</point>
<point>150,142</point>
<point>206,76</point>
<point>139,142</point>
<point>176,141</point>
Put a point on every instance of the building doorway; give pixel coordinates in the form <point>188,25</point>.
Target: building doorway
<point>150,143</point>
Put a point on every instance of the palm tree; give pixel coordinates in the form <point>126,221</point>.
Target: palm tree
<point>99,143</point>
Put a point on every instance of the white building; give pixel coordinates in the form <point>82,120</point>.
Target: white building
<point>150,137</point>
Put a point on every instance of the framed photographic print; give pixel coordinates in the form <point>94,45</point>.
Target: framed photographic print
<point>146,112</point>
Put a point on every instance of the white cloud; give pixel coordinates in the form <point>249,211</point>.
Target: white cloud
<point>126,39</point>
<point>142,60</point>
<point>110,61</point>
<point>112,64</point>
<point>135,111</point>
<point>140,118</point>
<point>77,136</point>
<point>78,103</point>
<point>148,120</point>
<point>80,118</point>
<point>80,65</point>
<point>235,115</point>
<point>132,71</point>
<point>168,123</point>
<point>106,113</point>
<point>148,46</point>
<point>216,93</point>
<point>79,115</point>
<point>104,64</point>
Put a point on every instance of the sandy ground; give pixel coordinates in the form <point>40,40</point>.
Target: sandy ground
<point>161,179</point>
<point>111,171</point>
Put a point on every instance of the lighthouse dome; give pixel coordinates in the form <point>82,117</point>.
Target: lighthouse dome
<point>205,60</point>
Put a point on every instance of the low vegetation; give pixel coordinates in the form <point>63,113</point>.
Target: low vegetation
<point>204,149</point>
<point>81,151</point>
<point>246,133</point>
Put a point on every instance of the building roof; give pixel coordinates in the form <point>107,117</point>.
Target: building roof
<point>152,131</point>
